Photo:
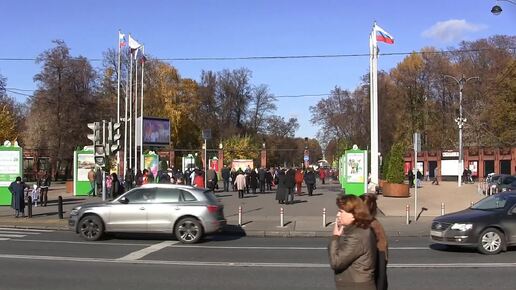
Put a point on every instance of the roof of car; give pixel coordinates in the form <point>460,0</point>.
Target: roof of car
<point>167,185</point>
<point>511,193</point>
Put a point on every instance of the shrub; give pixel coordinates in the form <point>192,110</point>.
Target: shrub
<point>395,164</point>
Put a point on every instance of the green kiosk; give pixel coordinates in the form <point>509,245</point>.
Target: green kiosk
<point>83,162</point>
<point>11,160</point>
<point>353,165</point>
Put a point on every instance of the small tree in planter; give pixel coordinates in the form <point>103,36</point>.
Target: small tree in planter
<point>395,176</point>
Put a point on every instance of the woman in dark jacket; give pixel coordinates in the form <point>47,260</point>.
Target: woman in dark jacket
<point>253,180</point>
<point>352,249</point>
<point>115,186</point>
<point>281,189</point>
<point>310,180</point>
<point>17,189</point>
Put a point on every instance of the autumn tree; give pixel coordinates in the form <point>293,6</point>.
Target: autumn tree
<point>62,104</point>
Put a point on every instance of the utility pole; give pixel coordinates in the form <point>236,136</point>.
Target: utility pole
<point>460,121</point>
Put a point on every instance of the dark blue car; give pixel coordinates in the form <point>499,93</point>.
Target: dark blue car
<point>489,225</point>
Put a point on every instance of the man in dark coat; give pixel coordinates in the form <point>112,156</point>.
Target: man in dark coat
<point>225,177</point>
<point>253,180</point>
<point>268,179</point>
<point>290,182</point>
<point>310,180</point>
<point>17,189</point>
<point>411,178</point>
<point>281,189</point>
<point>261,179</point>
<point>211,176</point>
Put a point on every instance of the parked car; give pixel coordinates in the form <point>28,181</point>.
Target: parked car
<point>185,211</point>
<point>504,182</point>
<point>489,225</point>
<point>491,181</point>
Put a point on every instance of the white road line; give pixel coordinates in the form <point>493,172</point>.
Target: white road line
<point>81,243</point>
<point>11,236</point>
<point>17,232</point>
<point>146,251</point>
<point>26,230</point>
<point>244,264</point>
<point>4,239</point>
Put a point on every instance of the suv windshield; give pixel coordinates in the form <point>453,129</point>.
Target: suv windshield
<point>211,197</point>
<point>491,202</point>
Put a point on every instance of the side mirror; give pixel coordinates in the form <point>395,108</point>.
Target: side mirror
<point>123,200</point>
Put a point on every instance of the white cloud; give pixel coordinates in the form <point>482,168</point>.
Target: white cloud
<point>452,30</point>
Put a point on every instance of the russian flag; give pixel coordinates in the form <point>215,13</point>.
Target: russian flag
<point>121,39</point>
<point>383,36</point>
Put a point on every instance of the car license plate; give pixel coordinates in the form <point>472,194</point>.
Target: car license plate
<point>436,233</point>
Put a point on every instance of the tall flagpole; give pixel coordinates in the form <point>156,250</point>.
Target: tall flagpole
<point>374,107</point>
<point>142,164</point>
<point>118,102</point>
<point>136,110</point>
<point>130,149</point>
<point>125,120</point>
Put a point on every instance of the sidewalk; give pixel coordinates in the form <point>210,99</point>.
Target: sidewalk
<point>261,212</point>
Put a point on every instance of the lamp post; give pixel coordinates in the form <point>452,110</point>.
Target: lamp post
<point>496,10</point>
<point>460,121</point>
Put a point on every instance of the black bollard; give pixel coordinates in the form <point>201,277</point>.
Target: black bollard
<point>60,207</point>
<point>29,206</point>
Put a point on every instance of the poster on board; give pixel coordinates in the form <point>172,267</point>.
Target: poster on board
<point>9,167</point>
<point>85,162</point>
<point>355,167</point>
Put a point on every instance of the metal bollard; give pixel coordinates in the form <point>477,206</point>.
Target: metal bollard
<point>407,218</point>
<point>442,208</point>
<point>472,203</point>
<point>324,217</point>
<point>282,212</point>
<point>240,215</point>
<point>29,206</point>
<point>60,207</point>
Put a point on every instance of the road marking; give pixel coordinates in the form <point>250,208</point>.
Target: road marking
<point>82,243</point>
<point>246,264</point>
<point>11,236</point>
<point>146,251</point>
<point>4,239</point>
<point>26,230</point>
<point>19,233</point>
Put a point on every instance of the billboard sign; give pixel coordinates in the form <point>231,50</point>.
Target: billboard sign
<point>156,131</point>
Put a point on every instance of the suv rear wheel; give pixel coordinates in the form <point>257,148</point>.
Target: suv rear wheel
<point>188,230</point>
<point>491,241</point>
<point>91,228</point>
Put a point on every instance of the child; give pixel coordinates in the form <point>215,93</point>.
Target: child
<point>34,194</point>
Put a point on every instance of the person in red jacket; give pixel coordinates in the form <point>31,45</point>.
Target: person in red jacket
<point>322,174</point>
<point>199,179</point>
<point>299,180</point>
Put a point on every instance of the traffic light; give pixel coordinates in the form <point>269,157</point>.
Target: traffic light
<point>100,155</point>
<point>95,136</point>
<point>113,138</point>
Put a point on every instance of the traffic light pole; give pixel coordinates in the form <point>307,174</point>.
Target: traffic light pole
<point>103,171</point>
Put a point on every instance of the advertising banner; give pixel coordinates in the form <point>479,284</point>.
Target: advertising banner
<point>355,171</point>
<point>83,162</point>
<point>242,164</point>
<point>151,163</point>
<point>11,159</point>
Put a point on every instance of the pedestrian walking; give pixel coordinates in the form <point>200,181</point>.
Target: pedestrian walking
<point>352,250</point>
<point>427,175</point>
<point>129,179</point>
<point>299,180</point>
<point>17,189</point>
<point>290,182</point>
<point>309,178</point>
<point>91,179</point>
<point>233,175</point>
<point>109,183</point>
<point>269,178</point>
<point>198,180</point>
<point>436,179</point>
<point>34,194</point>
<point>240,183</point>
<point>262,179</point>
<point>281,188</point>
<point>322,175</point>
<point>419,177</point>
<point>211,176</point>
<point>98,181</point>
<point>411,178</point>
<point>226,175</point>
<point>253,180</point>
<point>44,184</point>
<point>116,187</point>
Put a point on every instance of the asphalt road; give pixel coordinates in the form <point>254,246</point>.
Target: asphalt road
<point>31,259</point>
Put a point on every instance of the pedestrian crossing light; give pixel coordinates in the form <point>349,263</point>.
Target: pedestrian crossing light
<point>113,138</point>
<point>100,155</point>
<point>95,135</point>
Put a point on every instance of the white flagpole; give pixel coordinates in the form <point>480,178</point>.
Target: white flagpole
<point>130,149</point>
<point>118,103</point>
<point>374,110</point>
<point>125,121</point>
<point>142,164</point>
<point>136,111</point>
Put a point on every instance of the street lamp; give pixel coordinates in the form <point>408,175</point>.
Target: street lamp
<point>496,10</point>
<point>460,120</point>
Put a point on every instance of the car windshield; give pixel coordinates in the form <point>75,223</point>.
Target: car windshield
<point>491,202</point>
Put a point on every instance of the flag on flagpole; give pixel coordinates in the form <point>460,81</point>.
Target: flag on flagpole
<point>133,44</point>
<point>383,36</point>
<point>121,39</point>
<point>143,58</point>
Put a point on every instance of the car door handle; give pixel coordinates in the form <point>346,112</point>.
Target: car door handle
<point>142,208</point>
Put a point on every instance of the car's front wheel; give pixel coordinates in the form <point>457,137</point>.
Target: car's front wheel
<point>491,241</point>
<point>91,228</point>
<point>188,230</point>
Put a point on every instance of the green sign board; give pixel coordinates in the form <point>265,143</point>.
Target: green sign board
<point>354,167</point>
<point>11,160</point>
<point>83,162</point>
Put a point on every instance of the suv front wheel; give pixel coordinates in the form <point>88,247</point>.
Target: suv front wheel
<point>188,230</point>
<point>91,228</point>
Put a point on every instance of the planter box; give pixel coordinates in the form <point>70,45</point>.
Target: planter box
<point>395,190</point>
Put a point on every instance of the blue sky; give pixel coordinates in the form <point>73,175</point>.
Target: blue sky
<point>235,28</point>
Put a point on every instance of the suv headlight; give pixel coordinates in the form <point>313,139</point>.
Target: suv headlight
<point>75,210</point>
<point>462,227</point>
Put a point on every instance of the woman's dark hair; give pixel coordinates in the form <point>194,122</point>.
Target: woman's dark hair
<point>370,202</point>
<point>355,206</point>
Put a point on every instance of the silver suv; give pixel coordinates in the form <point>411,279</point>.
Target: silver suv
<point>187,212</point>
